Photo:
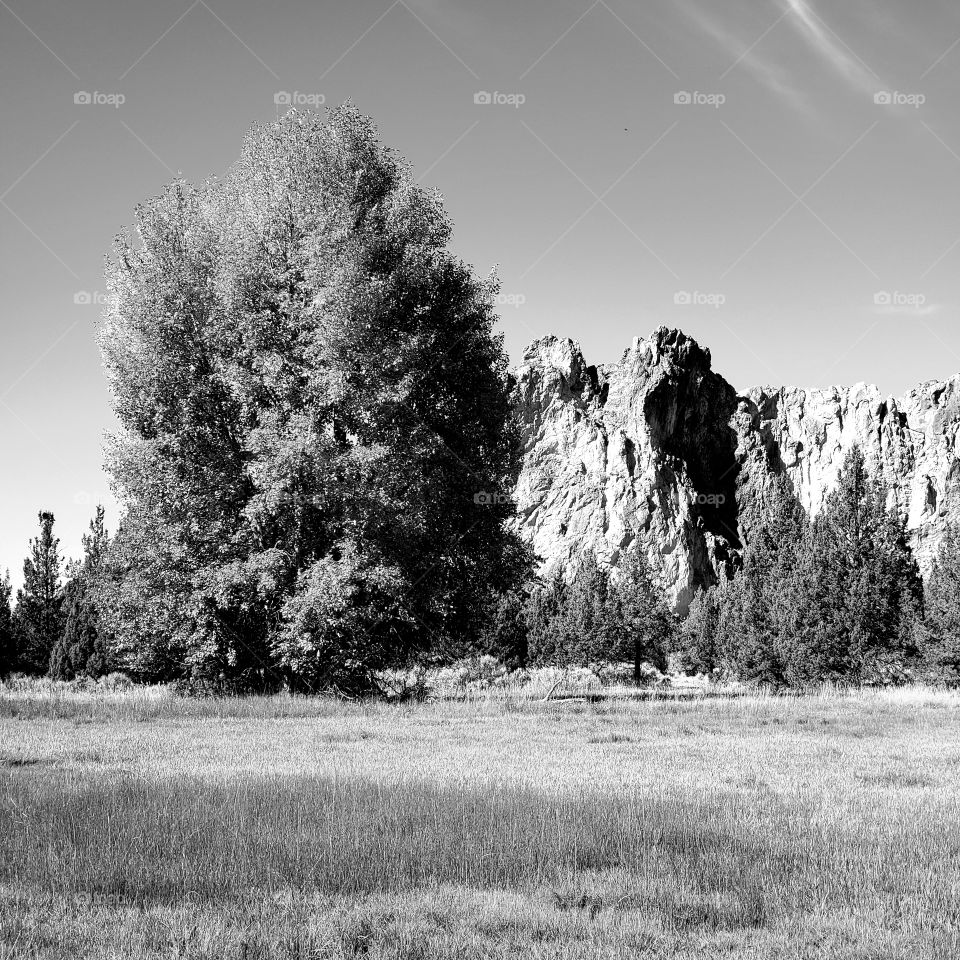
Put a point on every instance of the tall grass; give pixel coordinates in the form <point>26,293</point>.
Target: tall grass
<point>826,826</point>
<point>751,859</point>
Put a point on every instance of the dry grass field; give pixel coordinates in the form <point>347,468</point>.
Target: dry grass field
<point>141,825</point>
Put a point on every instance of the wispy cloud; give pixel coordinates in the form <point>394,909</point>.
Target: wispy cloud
<point>831,48</point>
<point>749,53</point>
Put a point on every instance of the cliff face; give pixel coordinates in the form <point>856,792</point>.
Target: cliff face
<point>660,447</point>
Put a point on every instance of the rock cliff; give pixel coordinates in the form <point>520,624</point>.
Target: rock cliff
<point>660,447</point>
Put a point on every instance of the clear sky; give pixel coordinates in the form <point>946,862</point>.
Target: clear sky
<point>804,231</point>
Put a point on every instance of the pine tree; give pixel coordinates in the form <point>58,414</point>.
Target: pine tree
<point>857,595</point>
<point>591,616</point>
<point>8,651</point>
<point>507,633</point>
<point>546,613</point>
<point>941,633</point>
<point>753,617</point>
<point>699,636</point>
<point>38,618</point>
<point>643,629</point>
<point>83,649</point>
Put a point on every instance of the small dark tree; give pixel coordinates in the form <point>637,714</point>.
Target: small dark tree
<point>753,610</point>
<point>38,619</point>
<point>857,593</point>
<point>592,616</point>
<point>546,612</point>
<point>506,635</point>
<point>941,632</point>
<point>84,648</point>
<point>699,651</point>
<point>643,628</point>
<point>8,651</point>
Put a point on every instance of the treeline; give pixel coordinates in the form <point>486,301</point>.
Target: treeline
<point>314,450</point>
<point>837,599</point>
<point>56,628</point>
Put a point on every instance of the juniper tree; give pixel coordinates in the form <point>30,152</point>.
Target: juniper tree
<point>38,618</point>
<point>700,633</point>
<point>8,651</point>
<point>857,590</point>
<point>644,629</point>
<point>941,632</point>
<point>753,615</point>
<point>83,648</point>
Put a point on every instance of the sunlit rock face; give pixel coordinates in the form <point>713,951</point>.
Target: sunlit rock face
<point>660,447</point>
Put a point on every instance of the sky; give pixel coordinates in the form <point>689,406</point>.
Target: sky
<point>775,177</point>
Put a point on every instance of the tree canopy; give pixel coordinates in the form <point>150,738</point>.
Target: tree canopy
<point>314,410</point>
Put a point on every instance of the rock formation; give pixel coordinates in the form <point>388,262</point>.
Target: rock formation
<point>660,447</point>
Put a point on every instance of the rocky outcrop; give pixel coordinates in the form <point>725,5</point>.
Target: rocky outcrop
<point>661,448</point>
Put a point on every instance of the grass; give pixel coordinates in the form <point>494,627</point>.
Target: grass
<point>138,824</point>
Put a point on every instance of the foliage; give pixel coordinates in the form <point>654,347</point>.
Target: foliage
<point>699,633</point>
<point>506,631</point>
<point>84,648</point>
<point>857,589</point>
<point>754,609</point>
<point>8,650</point>
<point>315,414</point>
<point>838,599</point>
<point>941,634</point>
<point>595,617</point>
<point>38,618</point>
<point>644,629</point>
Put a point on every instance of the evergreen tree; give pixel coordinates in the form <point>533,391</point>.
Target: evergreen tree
<point>84,647</point>
<point>643,628</point>
<point>315,412</point>
<point>838,599</point>
<point>507,633</point>
<point>38,618</point>
<point>8,651</point>
<point>857,590</point>
<point>941,633</point>
<point>699,635</point>
<point>593,617</point>
<point>546,613</point>
<point>753,610</point>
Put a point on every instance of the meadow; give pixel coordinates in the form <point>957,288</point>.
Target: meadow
<point>140,824</point>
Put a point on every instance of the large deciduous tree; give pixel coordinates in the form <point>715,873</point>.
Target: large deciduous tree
<point>312,400</point>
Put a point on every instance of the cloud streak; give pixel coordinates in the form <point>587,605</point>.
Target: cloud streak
<point>799,17</point>
<point>830,48</point>
<point>769,74</point>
